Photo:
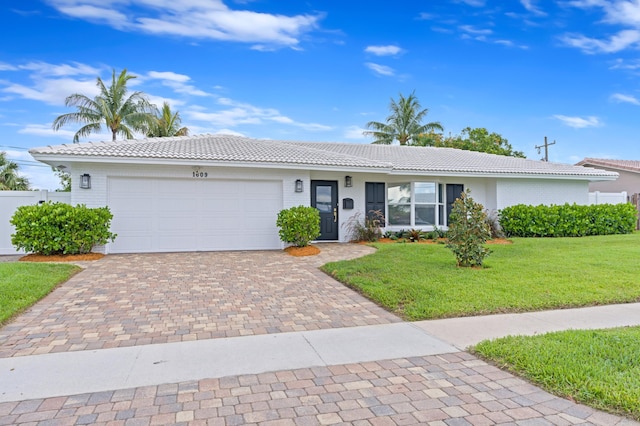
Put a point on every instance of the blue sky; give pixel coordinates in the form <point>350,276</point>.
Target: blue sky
<point>319,70</point>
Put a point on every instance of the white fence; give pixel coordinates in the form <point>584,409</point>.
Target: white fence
<point>11,200</point>
<point>608,197</point>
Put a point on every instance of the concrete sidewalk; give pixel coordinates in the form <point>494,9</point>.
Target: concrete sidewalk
<point>469,331</point>
<point>51,375</point>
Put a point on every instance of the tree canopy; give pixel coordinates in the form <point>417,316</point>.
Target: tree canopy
<point>10,180</point>
<point>122,113</point>
<point>403,124</point>
<point>472,139</point>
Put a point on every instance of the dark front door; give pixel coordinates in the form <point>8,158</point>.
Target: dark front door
<point>453,193</point>
<point>375,198</point>
<point>324,197</point>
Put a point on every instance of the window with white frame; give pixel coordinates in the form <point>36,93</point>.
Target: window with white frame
<point>415,204</point>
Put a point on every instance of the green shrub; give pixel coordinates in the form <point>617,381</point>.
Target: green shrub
<point>568,220</point>
<point>367,229</point>
<point>414,235</point>
<point>58,228</point>
<point>299,225</point>
<point>468,231</point>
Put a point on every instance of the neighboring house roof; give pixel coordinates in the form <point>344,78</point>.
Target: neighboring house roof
<point>627,165</point>
<point>234,150</point>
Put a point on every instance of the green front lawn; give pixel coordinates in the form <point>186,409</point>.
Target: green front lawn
<point>422,281</point>
<point>22,284</point>
<point>600,368</point>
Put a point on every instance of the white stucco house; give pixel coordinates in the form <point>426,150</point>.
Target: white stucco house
<point>220,192</point>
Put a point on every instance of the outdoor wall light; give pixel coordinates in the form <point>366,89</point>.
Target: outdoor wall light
<point>299,187</point>
<point>85,181</point>
<point>348,181</point>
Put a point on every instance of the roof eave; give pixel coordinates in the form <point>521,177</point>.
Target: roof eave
<point>58,159</point>
<point>494,174</point>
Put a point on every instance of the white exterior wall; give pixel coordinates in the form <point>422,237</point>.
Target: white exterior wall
<point>97,195</point>
<point>534,192</point>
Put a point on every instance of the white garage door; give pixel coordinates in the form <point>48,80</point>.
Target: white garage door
<point>165,215</point>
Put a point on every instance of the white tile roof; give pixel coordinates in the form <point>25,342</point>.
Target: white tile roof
<point>315,155</point>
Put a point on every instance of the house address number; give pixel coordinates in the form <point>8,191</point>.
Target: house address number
<point>200,174</point>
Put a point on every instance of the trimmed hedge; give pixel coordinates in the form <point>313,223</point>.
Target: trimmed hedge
<point>568,220</point>
<point>59,228</point>
<point>299,225</point>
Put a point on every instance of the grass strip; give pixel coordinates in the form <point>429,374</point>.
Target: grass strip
<point>22,284</point>
<point>600,368</point>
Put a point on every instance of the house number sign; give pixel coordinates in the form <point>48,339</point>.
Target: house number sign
<point>200,174</point>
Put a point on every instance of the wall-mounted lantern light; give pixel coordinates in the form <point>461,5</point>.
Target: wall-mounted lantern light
<point>348,181</point>
<point>85,181</point>
<point>299,187</point>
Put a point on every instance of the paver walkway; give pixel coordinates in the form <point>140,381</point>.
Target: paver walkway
<point>452,389</point>
<point>129,300</point>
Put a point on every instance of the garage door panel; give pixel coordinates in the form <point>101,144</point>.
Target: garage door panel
<point>132,224</point>
<point>193,215</point>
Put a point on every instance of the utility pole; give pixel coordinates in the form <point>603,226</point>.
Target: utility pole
<point>546,148</point>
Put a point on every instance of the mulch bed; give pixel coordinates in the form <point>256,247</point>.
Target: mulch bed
<point>302,251</point>
<point>439,241</point>
<point>61,257</point>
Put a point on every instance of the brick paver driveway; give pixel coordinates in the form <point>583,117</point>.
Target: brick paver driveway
<point>126,300</point>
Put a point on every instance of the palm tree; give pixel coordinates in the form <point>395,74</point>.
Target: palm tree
<point>167,124</point>
<point>123,114</point>
<point>404,123</point>
<point>9,178</point>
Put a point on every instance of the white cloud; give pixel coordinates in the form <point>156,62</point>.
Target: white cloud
<point>354,132</point>
<point>620,41</point>
<point>51,91</point>
<point>380,69</point>
<point>579,122</point>
<point>52,83</point>
<point>7,67</point>
<point>169,76</point>
<point>470,29</point>
<point>621,98</point>
<point>383,50</point>
<point>622,12</point>
<point>532,7</point>
<point>177,82</point>
<point>60,70</point>
<point>239,113</point>
<point>625,13</point>
<point>474,3</point>
<point>228,132</point>
<point>159,100</point>
<point>625,65</point>
<point>45,130</point>
<point>193,19</point>
<point>509,43</point>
